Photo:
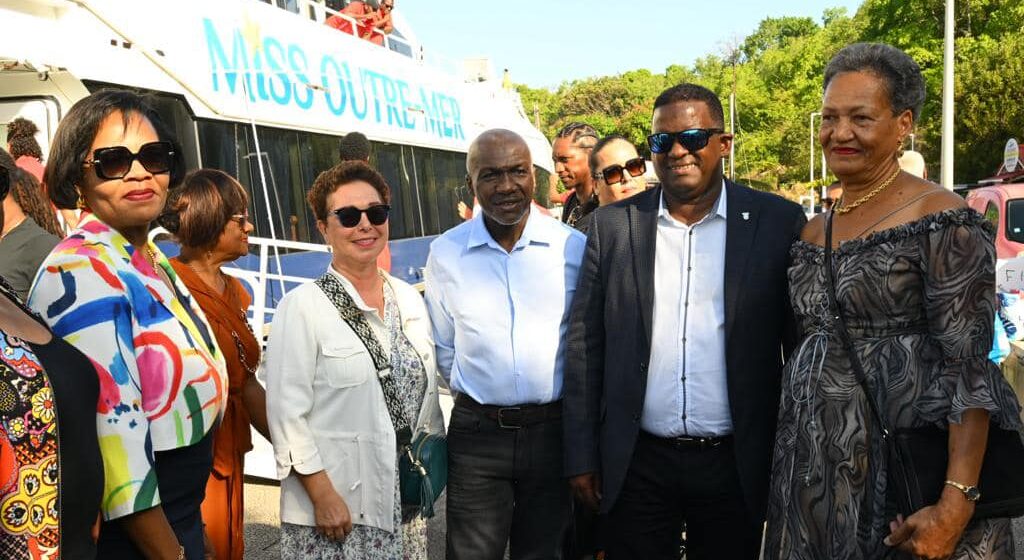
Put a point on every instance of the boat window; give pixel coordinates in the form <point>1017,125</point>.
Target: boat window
<point>394,162</point>
<point>1015,220</point>
<point>543,183</point>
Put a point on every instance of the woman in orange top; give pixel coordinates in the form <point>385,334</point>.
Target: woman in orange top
<point>207,215</point>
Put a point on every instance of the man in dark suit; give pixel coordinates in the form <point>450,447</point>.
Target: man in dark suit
<point>675,348</point>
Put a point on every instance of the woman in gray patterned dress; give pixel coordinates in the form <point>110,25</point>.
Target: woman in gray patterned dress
<point>915,281</point>
<point>343,388</point>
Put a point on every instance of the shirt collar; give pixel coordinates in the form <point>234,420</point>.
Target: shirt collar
<point>535,232</point>
<point>351,289</point>
<point>718,211</point>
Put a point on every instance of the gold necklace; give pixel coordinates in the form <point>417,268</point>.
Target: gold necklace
<point>841,209</point>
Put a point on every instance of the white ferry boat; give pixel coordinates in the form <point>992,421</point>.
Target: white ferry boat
<point>264,91</point>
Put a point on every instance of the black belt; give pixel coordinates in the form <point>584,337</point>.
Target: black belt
<point>516,416</point>
<point>688,442</point>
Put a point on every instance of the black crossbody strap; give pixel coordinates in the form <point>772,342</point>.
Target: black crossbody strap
<point>352,315</point>
<point>844,334</point>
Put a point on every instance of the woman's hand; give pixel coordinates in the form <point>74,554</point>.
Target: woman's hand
<point>333,519</point>
<point>932,533</point>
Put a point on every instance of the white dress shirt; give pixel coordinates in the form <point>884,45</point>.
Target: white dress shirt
<point>500,317</point>
<point>687,393</point>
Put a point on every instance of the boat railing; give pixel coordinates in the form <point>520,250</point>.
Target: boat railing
<point>318,11</point>
<point>267,276</point>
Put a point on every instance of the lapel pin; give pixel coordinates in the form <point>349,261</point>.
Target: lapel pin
<point>746,215</point>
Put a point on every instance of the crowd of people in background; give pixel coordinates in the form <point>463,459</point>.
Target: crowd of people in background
<point>658,359</point>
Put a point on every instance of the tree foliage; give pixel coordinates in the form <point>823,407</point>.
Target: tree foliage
<point>777,70</point>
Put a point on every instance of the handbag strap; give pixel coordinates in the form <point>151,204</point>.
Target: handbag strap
<point>844,333</point>
<point>356,320</point>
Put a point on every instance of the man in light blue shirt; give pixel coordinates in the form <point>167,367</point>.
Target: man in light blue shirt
<point>498,289</point>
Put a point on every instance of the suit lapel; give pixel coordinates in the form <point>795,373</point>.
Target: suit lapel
<point>741,224</point>
<point>643,228</point>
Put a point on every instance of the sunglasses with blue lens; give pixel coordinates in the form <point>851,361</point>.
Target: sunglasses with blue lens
<point>693,139</point>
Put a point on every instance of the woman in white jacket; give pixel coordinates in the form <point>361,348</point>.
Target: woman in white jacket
<point>336,436</point>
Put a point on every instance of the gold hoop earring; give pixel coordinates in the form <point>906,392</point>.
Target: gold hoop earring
<point>80,204</point>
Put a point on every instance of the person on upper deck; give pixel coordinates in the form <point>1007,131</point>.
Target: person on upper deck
<point>208,216</point>
<point>381,22</point>
<point>111,293</point>
<point>351,380</point>
<point>914,276</point>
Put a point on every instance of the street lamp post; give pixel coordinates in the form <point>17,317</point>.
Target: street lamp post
<point>949,61</point>
<point>823,190</point>
<point>811,136</point>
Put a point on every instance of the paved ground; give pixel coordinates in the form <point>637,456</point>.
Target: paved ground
<point>262,533</point>
<point>262,524</point>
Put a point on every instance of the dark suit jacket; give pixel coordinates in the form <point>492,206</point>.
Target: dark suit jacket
<point>610,333</point>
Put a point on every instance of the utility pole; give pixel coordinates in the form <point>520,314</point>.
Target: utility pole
<point>948,60</point>
<point>732,121</point>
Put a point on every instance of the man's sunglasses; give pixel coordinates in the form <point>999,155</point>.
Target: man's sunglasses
<point>693,139</point>
<point>350,216</point>
<point>614,174</point>
<point>115,162</point>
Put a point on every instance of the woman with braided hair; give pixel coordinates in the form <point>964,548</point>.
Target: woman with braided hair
<point>21,141</point>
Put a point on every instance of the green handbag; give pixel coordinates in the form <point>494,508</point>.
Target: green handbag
<point>423,472</point>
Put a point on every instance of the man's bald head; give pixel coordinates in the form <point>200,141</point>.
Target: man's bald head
<point>499,171</point>
<point>489,140</point>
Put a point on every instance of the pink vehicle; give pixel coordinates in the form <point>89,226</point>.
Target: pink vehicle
<point>1003,205</point>
<point>1001,200</point>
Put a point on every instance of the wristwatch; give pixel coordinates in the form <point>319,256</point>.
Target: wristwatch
<point>970,492</point>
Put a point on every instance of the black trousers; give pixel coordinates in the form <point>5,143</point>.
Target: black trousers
<point>505,486</point>
<point>667,485</point>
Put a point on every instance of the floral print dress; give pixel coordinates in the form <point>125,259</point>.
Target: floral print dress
<point>409,542</point>
<point>919,301</point>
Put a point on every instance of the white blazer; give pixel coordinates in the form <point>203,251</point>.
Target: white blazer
<point>325,407</point>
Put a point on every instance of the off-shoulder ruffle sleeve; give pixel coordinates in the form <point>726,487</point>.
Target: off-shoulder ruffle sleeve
<point>958,262</point>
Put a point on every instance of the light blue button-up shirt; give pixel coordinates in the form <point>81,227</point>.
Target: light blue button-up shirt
<point>499,318</point>
<point>687,393</point>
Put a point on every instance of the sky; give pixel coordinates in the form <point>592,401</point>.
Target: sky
<point>545,43</point>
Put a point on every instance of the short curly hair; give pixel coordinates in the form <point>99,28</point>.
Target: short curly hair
<point>197,211</point>
<point>78,129</point>
<point>340,175</point>
<point>901,75</point>
<point>21,135</point>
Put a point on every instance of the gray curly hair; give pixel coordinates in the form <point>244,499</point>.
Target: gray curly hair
<point>902,76</point>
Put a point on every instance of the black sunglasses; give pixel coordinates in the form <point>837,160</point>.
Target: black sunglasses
<point>693,139</point>
<point>350,216</point>
<point>115,162</point>
<point>617,173</point>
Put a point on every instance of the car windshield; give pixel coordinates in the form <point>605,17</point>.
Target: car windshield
<point>1015,220</point>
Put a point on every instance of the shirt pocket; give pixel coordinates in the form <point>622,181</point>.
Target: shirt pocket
<point>346,366</point>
